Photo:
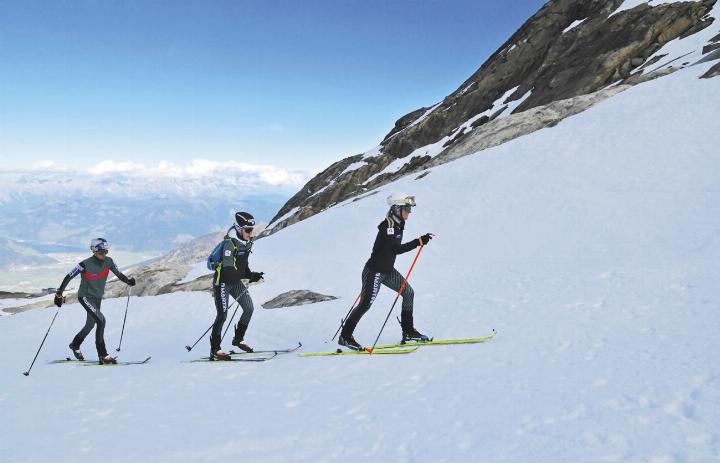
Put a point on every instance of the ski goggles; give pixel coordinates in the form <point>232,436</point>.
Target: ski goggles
<point>398,208</point>
<point>102,248</point>
<point>246,229</point>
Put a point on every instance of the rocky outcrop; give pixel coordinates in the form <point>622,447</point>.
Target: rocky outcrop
<point>545,61</point>
<point>295,298</point>
<point>712,72</point>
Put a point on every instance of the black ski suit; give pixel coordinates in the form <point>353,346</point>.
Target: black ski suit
<point>379,269</point>
<point>233,268</point>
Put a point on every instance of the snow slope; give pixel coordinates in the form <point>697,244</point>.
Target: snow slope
<point>592,247</point>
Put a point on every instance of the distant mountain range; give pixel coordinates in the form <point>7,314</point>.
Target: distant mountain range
<point>61,211</point>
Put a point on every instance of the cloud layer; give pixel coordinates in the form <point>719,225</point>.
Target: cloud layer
<point>196,169</point>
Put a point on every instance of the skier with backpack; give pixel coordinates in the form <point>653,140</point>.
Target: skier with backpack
<point>229,260</point>
<point>379,269</point>
<point>94,271</point>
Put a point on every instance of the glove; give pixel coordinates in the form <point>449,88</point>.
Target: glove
<point>425,239</point>
<point>59,299</point>
<point>131,281</point>
<point>256,276</point>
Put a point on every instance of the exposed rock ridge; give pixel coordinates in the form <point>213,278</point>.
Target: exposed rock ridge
<point>545,61</point>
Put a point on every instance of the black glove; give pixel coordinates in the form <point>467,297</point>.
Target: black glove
<point>131,281</point>
<point>256,276</point>
<point>59,299</point>
<point>425,239</point>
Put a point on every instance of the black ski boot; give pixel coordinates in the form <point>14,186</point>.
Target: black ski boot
<point>219,355</point>
<point>409,333</point>
<point>107,360</point>
<point>349,341</point>
<point>76,352</point>
<point>239,337</point>
<point>240,344</point>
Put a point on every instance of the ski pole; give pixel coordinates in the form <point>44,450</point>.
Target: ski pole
<point>27,373</point>
<point>189,348</point>
<point>397,297</point>
<point>342,321</point>
<point>230,322</point>
<point>124,318</point>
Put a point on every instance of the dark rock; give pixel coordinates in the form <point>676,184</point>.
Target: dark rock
<point>712,72</point>
<point>482,120</point>
<point>11,295</point>
<point>708,48</point>
<point>296,297</point>
<point>697,27</point>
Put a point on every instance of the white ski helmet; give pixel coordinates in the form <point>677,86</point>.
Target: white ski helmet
<point>400,199</point>
<point>99,244</point>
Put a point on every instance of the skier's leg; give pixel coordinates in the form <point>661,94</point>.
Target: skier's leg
<point>92,307</point>
<point>395,281</point>
<point>221,304</point>
<point>82,334</point>
<point>370,287</point>
<point>243,297</point>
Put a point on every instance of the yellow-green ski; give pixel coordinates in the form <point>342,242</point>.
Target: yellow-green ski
<point>358,352</point>
<point>439,342</point>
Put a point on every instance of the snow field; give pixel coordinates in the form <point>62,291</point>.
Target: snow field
<point>592,247</point>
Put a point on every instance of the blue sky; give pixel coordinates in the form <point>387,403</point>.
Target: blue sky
<point>294,84</point>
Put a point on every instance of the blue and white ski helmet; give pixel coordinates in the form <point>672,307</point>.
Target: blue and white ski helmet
<point>99,244</point>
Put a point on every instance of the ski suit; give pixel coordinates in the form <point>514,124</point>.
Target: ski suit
<point>379,269</point>
<point>92,288</point>
<point>233,268</point>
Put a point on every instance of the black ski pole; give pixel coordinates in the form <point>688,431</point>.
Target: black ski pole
<point>124,318</point>
<point>189,348</point>
<point>27,373</point>
<point>342,322</point>
<point>397,297</point>
<point>230,322</point>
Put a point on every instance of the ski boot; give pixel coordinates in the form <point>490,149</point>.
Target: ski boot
<point>242,345</point>
<point>76,352</point>
<point>409,333</point>
<point>413,335</point>
<point>350,342</point>
<point>237,341</point>
<point>107,360</point>
<point>219,355</point>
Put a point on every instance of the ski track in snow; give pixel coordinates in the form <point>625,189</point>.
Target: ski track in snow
<point>592,248</point>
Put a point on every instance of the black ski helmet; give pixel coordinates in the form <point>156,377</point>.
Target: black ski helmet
<point>244,220</point>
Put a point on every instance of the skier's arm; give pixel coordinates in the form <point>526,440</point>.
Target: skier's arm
<point>228,255</point>
<point>120,275</point>
<point>405,247</point>
<point>77,270</point>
